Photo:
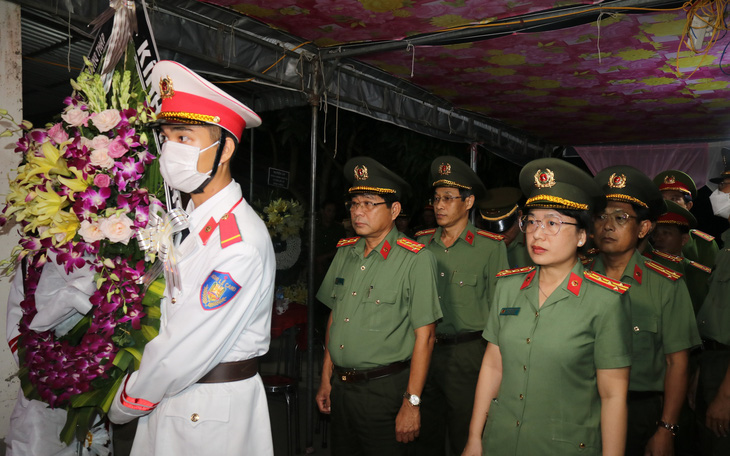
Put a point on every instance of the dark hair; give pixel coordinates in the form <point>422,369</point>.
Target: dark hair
<point>643,213</point>
<point>465,193</point>
<point>584,219</point>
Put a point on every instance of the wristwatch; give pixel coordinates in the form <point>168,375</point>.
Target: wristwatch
<point>412,398</point>
<point>673,428</point>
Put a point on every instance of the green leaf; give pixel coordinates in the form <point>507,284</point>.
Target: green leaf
<point>107,402</point>
<point>123,359</point>
<point>87,399</point>
<point>69,429</point>
<point>148,332</point>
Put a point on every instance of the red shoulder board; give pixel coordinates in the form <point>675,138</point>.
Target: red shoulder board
<point>509,272</point>
<point>667,256</point>
<point>347,241</point>
<point>701,267</point>
<point>703,235</point>
<point>666,272</point>
<point>490,235</point>
<point>407,244</point>
<point>425,232</point>
<point>230,234</point>
<point>606,282</point>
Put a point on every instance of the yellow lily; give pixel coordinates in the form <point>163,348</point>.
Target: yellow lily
<point>66,224</point>
<point>49,162</point>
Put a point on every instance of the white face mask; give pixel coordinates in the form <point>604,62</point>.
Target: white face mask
<point>720,203</point>
<point>179,166</point>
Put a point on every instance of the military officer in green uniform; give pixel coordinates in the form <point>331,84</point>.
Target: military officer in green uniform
<point>661,309</point>
<point>468,260</point>
<point>381,288</point>
<point>680,188</point>
<point>670,234</point>
<point>713,389</point>
<point>556,369</point>
<point>500,214</point>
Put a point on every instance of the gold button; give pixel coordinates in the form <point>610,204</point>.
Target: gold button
<point>347,320</point>
<point>208,228</point>
<point>341,347</point>
<point>446,250</point>
<point>442,274</point>
<point>582,445</point>
<point>522,396</point>
<point>377,301</point>
<point>529,340</point>
<point>354,293</point>
<point>537,314</point>
<point>524,367</point>
<point>518,422</point>
<point>461,283</point>
<point>225,217</point>
<point>344,378</point>
<point>173,300</point>
<point>194,417</point>
<point>362,268</point>
<point>636,329</point>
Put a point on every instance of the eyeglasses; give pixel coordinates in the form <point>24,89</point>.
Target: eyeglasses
<point>550,225</point>
<point>446,199</point>
<point>619,218</point>
<point>366,206</point>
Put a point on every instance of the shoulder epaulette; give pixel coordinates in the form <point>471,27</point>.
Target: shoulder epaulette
<point>585,260</point>
<point>666,272</point>
<point>425,232</point>
<point>594,251</point>
<point>347,241</point>
<point>408,244</point>
<point>668,256</point>
<point>700,266</point>
<point>606,282</point>
<point>490,235</point>
<point>703,235</point>
<point>509,272</point>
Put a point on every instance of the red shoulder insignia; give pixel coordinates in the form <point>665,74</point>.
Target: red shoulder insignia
<point>703,235</point>
<point>230,234</point>
<point>666,272</point>
<point>490,235</point>
<point>586,260</point>
<point>667,256</point>
<point>408,244</point>
<point>509,272</point>
<point>425,232</point>
<point>606,282</point>
<point>594,251</point>
<point>701,267</point>
<point>347,241</point>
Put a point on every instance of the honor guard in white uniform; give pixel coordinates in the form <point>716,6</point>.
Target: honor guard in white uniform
<point>197,390</point>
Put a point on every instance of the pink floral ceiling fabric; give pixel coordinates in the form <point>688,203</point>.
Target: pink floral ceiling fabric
<point>615,80</point>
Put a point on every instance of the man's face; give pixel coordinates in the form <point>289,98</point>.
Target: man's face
<point>724,186</point>
<point>614,235</point>
<point>193,135</point>
<point>375,221</point>
<point>449,207</point>
<point>676,196</point>
<point>669,239</point>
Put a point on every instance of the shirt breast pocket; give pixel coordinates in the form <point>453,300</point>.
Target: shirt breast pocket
<point>463,288</point>
<point>379,311</point>
<point>645,333</point>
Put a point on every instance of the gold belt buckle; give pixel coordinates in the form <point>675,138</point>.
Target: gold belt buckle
<point>347,374</point>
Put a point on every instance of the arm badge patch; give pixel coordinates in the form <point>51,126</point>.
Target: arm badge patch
<point>218,290</point>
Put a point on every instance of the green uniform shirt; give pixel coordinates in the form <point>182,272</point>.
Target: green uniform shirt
<point>695,275</point>
<point>548,402</point>
<point>662,319</point>
<point>465,278</point>
<point>713,319</point>
<point>517,254</point>
<point>378,301</point>
<point>701,248</point>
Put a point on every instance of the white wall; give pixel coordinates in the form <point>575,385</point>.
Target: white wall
<point>11,99</point>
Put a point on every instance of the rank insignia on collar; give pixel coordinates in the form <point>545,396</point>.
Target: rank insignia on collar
<point>544,179</point>
<point>469,237</point>
<point>617,180</point>
<point>637,273</point>
<point>218,290</point>
<point>528,280</point>
<point>445,169</point>
<point>574,284</point>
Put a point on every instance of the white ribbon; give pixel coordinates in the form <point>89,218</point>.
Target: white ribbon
<point>157,241</point>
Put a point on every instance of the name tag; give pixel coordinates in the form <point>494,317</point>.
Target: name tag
<point>339,281</point>
<point>509,311</point>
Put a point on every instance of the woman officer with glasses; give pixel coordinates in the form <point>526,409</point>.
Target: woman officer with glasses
<point>555,374</point>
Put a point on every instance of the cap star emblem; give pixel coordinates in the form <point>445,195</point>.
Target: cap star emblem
<point>544,179</point>
<point>669,180</point>
<point>617,181</point>
<point>445,169</point>
<point>166,89</point>
<point>361,172</point>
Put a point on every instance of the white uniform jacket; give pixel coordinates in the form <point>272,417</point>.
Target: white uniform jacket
<point>222,314</point>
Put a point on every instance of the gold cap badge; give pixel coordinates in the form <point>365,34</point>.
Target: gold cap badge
<point>361,172</point>
<point>445,169</point>
<point>166,89</point>
<point>669,180</point>
<point>617,181</point>
<point>544,179</point>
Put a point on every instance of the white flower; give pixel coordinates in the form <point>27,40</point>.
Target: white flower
<point>100,141</point>
<point>101,158</point>
<point>106,120</point>
<point>75,117</point>
<point>117,228</point>
<point>91,232</point>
